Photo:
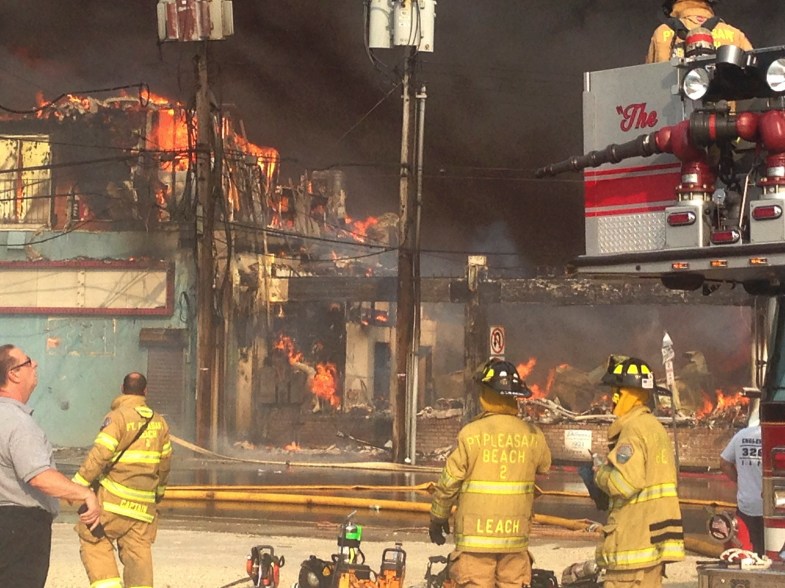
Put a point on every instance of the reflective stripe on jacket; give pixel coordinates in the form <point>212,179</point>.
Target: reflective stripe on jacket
<point>490,475</point>
<point>644,521</point>
<point>139,477</point>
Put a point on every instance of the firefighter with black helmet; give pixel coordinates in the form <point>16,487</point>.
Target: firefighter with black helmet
<point>644,529</point>
<point>682,16</point>
<point>491,477</point>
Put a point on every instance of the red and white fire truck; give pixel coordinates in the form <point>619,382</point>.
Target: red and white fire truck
<point>685,182</point>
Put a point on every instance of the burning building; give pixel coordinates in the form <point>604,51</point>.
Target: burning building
<point>99,223</point>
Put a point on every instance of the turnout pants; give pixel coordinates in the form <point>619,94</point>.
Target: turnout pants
<point>25,545</point>
<point>490,570</point>
<point>134,540</point>
<point>645,578</point>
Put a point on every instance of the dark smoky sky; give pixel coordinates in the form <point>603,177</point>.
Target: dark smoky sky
<point>504,97</point>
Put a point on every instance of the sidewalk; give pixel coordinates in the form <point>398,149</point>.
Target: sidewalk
<point>186,558</point>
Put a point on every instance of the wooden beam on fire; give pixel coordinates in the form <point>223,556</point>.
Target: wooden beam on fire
<point>547,291</point>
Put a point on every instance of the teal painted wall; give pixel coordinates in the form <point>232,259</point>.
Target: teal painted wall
<point>83,359</point>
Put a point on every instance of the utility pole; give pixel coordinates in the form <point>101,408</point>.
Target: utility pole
<point>410,24</point>
<point>201,21</point>
<point>405,316</point>
<point>206,393</point>
<point>475,332</point>
<point>413,388</point>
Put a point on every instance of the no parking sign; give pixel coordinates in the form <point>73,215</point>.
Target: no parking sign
<point>497,341</point>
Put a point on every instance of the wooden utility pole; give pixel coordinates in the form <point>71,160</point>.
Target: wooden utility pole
<point>406,288</point>
<point>206,393</point>
<point>475,332</point>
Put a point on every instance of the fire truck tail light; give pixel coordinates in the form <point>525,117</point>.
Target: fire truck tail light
<point>759,261</point>
<point>681,219</point>
<point>768,212</point>
<point>725,237</point>
<point>718,263</point>
<point>778,462</point>
<point>680,265</point>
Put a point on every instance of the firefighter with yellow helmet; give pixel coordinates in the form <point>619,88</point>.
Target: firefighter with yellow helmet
<point>644,529</point>
<point>682,16</point>
<point>490,476</point>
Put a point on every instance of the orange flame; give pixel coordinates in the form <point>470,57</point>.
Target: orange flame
<point>324,383</point>
<point>288,345</point>
<point>721,402</point>
<point>538,391</point>
<point>525,369</point>
<point>293,446</point>
<point>359,228</point>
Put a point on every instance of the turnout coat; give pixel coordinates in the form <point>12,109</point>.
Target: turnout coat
<point>490,475</point>
<point>644,525</point>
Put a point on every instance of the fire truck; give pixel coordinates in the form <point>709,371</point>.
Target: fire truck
<point>684,182</point>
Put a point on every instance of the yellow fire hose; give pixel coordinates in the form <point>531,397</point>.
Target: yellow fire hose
<point>283,495</point>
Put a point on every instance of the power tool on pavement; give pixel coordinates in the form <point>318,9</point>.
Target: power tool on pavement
<point>347,568</point>
<point>263,566</point>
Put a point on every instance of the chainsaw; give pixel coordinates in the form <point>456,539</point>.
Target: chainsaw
<point>263,566</point>
<point>347,568</point>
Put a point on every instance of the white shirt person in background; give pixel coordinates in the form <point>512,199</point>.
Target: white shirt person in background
<point>741,462</point>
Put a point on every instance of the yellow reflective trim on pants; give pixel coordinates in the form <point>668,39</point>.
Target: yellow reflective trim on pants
<point>147,496</point>
<point>128,512</point>
<point>107,583</point>
<point>498,488</point>
<point>106,440</point>
<point>467,542</point>
<point>141,456</point>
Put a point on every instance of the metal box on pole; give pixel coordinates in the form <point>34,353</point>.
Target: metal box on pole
<point>380,30</point>
<point>413,23</point>
<point>195,20</point>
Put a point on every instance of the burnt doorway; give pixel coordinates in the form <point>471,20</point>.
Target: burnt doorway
<point>166,374</point>
<point>381,374</point>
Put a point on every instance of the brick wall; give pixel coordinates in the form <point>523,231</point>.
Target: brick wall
<point>699,448</point>
<point>434,434</point>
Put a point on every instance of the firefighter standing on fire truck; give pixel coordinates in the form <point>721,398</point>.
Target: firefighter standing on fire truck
<point>491,476</point>
<point>681,16</point>
<point>644,529</point>
<point>129,491</point>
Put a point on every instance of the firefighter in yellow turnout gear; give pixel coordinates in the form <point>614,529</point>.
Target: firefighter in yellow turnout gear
<point>130,490</point>
<point>644,529</point>
<point>683,16</point>
<point>490,475</point>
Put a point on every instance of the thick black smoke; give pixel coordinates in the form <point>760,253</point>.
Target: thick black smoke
<point>504,95</point>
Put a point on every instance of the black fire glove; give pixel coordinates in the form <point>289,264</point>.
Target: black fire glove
<point>438,529</point>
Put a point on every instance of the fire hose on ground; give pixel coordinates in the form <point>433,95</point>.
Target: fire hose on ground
<point>282,495</point>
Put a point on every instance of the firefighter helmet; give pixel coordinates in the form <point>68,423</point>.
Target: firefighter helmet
<point>667,6</point>
<point>629,372</point>
<point>502,377</point>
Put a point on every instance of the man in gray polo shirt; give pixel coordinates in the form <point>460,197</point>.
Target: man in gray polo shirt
<point>29,482</point>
